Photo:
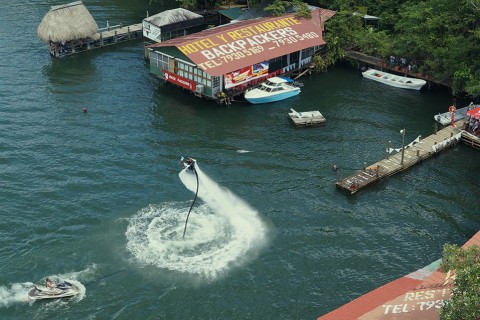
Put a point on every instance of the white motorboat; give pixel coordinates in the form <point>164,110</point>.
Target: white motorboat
<point>63,289</point>
<point>446,117</point>
<point>394,80</point>
<point>274,89</point>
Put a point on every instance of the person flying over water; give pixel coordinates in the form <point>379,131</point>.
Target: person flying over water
<point>189,163</point>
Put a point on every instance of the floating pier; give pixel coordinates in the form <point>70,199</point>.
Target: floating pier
<point>411,155</point>
<point>105,37</point>
<point>306,118</point>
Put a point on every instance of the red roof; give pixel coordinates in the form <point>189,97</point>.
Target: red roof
<point>236,45</point>
<point>418,295</point>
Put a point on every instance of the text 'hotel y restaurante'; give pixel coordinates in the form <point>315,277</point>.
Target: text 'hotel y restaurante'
<point>232,57</point>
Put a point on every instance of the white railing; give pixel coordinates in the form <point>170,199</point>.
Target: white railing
<point>109,28</point>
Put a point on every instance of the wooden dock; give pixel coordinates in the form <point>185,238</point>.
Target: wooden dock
<point>412,155</point>
<point>105,37</point>
<point>383,65</point>
<point>471,140</point>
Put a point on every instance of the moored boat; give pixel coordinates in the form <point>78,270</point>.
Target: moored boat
<point>394,80</point>
<point>273,89</point>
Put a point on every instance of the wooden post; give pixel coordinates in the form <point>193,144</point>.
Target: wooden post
<point>128,33</point>
<point>378,170</point>
<point>115,37</point>
<point>364,166</point>
<point>101,39</point>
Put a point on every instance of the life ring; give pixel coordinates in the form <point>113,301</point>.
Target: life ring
<point>452,109</point>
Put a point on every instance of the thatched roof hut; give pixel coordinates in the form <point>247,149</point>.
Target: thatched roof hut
<point>67,22</point>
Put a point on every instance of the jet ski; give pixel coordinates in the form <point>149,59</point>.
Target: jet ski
<point>63,289</point>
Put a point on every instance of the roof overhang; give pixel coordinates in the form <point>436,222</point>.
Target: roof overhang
<point>236,45</point>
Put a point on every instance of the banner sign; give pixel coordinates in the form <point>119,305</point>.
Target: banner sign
<point>151,31</point>
<point>246,74</point>
<point>178,80</point>
<point>221,50</point>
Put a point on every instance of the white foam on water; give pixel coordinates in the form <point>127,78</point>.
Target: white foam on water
<point>222,232</point>
<point>18,292</point>
<point>243,151</point>
<point>14,293</point>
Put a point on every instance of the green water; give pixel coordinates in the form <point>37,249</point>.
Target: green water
<point>96,197</point>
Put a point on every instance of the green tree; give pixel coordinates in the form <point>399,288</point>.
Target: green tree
<point>279,7</point>
<point>342,33</point>
<point>465,299</point>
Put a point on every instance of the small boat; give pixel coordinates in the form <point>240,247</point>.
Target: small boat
<point>63,289</point>
<point>446,117</point>
<point>274,89</point>
<point>394,80</point>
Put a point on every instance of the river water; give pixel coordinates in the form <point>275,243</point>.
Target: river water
<point>98,197</point>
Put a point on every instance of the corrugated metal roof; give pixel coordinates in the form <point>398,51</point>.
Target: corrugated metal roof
<point>236,45</point>
<point>232,13</point>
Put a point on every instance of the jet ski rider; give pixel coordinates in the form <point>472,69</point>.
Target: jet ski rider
<point>49,283</point>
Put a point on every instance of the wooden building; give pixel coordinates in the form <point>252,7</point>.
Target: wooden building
<point>171,24</point>
<point>230,58</point>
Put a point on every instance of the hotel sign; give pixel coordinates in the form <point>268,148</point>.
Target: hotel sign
<point>178,80</point>
<point>233,47</point>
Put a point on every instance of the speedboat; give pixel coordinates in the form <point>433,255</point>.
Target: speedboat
<point>394,80</point>
<point>63,289</point>
<point>274,89</point>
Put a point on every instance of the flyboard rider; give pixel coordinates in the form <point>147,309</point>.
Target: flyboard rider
<point>189,163</point>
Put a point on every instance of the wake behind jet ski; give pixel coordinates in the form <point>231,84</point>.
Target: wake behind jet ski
<point>189,163</point>
<point>53,290</point>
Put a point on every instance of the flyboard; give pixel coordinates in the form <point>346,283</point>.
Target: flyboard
<point>189,165</point>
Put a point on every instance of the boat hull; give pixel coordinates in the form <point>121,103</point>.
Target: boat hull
<point>394,80</point>
<point>43,293</point>
<point>272,98</point>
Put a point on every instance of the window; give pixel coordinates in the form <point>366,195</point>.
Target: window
<point>215,82</point>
